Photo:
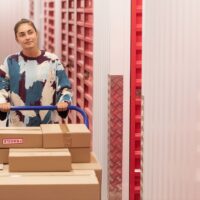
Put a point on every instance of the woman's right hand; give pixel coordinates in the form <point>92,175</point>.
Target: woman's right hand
<point>5,107</point>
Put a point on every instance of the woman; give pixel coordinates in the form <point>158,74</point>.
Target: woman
<point>32,77</point>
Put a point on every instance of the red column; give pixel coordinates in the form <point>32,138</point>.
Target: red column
<point>136,86</point>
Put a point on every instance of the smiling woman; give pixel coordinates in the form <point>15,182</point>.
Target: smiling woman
<point>27,37</point>
<point>32,77</point>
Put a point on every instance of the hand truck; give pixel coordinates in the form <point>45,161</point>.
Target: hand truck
<point>71,107</point>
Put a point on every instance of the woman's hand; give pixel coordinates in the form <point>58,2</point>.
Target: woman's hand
<point>5,107</point>
<point>62,106</point>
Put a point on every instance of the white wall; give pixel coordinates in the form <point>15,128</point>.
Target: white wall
<point>171,89</point>
<point>111,57</point>
<point>119,13</point>
<point>10,12</point>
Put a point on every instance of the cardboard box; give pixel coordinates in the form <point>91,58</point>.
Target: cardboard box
<point>4,156</point>
<point>77,185</point>
<point>4,171</point>
<point>38,160</point>
<point>80,155</point>
<point>65,135</point>
<point>22,128</point>
<point>20,137</point>
<point>92,165</point>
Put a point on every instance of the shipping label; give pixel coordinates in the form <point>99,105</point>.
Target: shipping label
<point>12,141</point>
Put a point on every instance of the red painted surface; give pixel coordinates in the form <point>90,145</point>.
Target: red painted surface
<point>49,22</point>
<point>76,49</point>
<point>115,130</point>
<point>77,53</point>
<point>136,87</point>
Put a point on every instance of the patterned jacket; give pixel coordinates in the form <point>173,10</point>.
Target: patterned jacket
<point>27,81</point>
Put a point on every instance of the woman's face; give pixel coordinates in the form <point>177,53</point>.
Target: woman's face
<point>27,37</point>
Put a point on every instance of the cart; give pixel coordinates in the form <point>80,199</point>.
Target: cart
<point>80,184</point>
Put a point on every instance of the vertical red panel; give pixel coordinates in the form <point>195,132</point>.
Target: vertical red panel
<point>136,87</point>
<point>68,42</point>
<point>76,49</point>
<point>77,53</point>
<point>115,130</point>
<point>49,25</point>
<point>88,58</point>
<point>64,39</point>
<point>80,18</point>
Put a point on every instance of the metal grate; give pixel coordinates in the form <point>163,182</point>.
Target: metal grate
<point>115,130</point>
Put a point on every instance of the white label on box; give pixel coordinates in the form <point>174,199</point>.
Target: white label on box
<point>12,141</point>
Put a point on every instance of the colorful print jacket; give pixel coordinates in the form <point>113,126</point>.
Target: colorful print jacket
<point>27,81</point>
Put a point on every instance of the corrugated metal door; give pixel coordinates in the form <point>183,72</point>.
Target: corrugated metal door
<point>171,88</point>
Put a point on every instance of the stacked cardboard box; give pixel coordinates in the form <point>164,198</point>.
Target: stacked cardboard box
<point>39,160</point>
<point>21,137</point>
<point>76,137</point>
<point>73,185</point>
<point>52,161</point>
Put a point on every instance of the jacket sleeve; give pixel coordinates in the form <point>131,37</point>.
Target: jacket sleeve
<point>4,87</point>
<point>63,90</point>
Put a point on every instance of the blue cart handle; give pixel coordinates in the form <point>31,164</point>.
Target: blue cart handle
<point>81,111</point>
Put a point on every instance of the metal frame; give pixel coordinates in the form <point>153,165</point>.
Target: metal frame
<point>71,107</point>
